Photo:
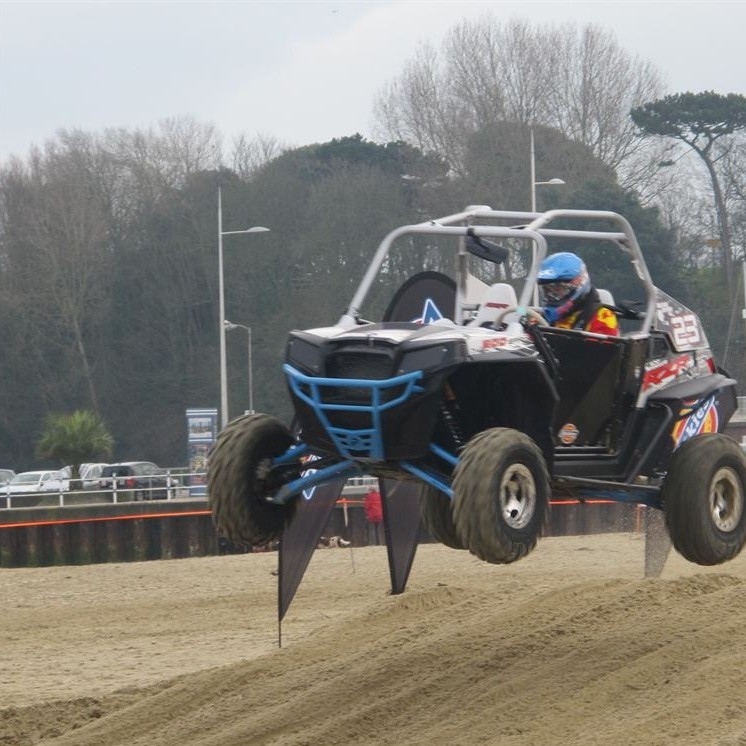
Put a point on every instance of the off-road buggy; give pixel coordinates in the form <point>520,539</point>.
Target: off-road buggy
<point>493,411</point>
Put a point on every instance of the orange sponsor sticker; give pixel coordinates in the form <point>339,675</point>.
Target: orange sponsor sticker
<point>568,434</point>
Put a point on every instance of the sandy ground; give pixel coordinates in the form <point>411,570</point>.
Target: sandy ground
<point>569,646</point>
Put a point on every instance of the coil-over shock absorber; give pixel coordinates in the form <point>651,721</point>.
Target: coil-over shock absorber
<point>451,415</point>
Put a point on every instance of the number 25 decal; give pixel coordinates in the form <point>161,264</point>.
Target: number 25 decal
<point>685,330</point>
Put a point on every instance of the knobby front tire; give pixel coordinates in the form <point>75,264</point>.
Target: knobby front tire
<point>501,495</point>
<point>237,483</point>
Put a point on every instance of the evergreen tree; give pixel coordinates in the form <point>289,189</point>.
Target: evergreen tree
<point>74,439</point>
<point>700,120</point>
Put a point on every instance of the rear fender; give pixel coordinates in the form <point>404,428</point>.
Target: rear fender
<point>700,388</point>
<point>714,393</point>
<point>701,405</point>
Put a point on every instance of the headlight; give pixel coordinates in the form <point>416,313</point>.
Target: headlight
<point>430,359</point>
<point>304,355</point>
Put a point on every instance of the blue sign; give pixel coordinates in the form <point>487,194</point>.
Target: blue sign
<point>202,429</point>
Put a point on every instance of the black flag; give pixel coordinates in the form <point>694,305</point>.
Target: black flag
<point>401,521</point>
<point>300,539</point>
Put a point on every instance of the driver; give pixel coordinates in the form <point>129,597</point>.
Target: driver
<point>569,300</point>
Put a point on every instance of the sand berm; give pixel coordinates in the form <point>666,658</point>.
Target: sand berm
<point>568,646</point>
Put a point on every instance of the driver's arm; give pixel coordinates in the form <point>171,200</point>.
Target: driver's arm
<point>604,321</point>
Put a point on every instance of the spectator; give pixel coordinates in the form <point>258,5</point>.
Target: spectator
<point>374,515</point>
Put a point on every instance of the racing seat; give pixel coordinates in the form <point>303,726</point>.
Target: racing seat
<point>606,297</point>
<point>498,296</point>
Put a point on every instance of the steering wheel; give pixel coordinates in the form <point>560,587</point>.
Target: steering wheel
<point>531,313</point>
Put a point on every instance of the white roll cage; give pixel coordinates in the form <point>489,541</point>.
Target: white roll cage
<point>535,229</point>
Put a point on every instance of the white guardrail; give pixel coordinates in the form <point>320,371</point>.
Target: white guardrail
<point>186,485</point>
<point>182,486</point>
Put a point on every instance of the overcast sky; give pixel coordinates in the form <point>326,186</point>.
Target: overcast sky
<point>302,72</point>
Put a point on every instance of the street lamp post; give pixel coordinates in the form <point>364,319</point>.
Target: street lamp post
<point>535,183</point>
<point>221,311</point>
<point>229,326</point>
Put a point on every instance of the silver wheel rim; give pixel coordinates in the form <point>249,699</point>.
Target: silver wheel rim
<point>726,499</point>
<point>517,496</point>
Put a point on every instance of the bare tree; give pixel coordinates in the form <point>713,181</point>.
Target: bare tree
<point>189,146</point>
<point>499,72</point>
<point>594,85</point>
<point>57,242</point>
<point>734,179</point>
<point>580,82</point>
<point>157,160</point>
<point>418,108</point>
<point>249,155</point>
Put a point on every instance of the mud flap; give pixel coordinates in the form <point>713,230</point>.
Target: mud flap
<point>657,543</point>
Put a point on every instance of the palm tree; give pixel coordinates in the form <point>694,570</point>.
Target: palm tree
<point>74,439</point>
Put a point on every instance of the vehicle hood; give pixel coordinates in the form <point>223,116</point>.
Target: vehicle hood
<point>477,340</point>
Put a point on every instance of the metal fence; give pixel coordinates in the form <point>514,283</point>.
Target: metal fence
<point>183,485</point>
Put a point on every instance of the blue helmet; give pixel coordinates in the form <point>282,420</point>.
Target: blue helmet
<point>563,280</point>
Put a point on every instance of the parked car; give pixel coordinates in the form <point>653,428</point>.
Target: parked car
<point>34,482</point>
<point>5,476</point>
<point>90,474</point>
<point>141,480</point>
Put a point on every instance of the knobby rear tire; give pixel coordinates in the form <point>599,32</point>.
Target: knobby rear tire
<point>704,499</point>
<point>437,516</point>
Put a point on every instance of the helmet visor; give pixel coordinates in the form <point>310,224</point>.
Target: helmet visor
<point>553,293</point>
